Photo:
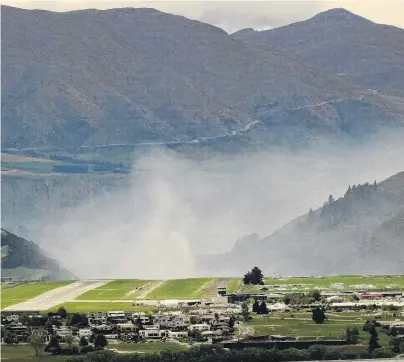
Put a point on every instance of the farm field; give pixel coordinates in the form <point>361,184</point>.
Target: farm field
<point>10,157</point>
<point>36,167</point>
<point>85,307</point>
<point>117,289</point>
<point>23,292</point>
<point>300,324</point>
<point>185,289</point>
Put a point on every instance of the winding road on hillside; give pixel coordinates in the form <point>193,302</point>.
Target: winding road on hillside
<point>234,133</point>
<point>57,296</point>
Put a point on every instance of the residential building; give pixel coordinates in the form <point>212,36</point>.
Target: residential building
<point>178,335</point>
<point>85,333</point>
<point>102,328</point>
<point>97,318</point>
<point>18,329</point>
<point>63,332</point>
<point>200,327</point>
<point>116,314</point>
<point>11,318</point>
<point>126,327</point>
<point>143,318</point>
<point>169,321</point>
<point>150,333</point>
<point>111,336</point>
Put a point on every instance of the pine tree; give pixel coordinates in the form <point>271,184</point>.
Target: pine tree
<point>318,315</point>
<point>374,338</point>
<point>244,311</point>
<point>256,307</point>
<point>247,278</point>
<point>263,308</point>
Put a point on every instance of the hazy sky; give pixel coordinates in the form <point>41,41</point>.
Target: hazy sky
<point>235,15</point>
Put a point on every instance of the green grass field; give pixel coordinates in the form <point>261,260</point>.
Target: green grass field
<point>346,282</point>
<point>152,347</point>
<point>117,289</point>
<point>24,353</point>
<point>233,285</point>
<point>184,289</point>
<point>300,324</point>
<point>23,292</point>
<point>355,282</point>
<point>84,307</point>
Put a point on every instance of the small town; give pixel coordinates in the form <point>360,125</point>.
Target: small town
<point>233,321</point>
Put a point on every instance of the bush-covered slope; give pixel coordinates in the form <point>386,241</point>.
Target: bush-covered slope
<point>344,43</point>
<point>140,75</point>
<point>359,233</point>
<point>23,259</point>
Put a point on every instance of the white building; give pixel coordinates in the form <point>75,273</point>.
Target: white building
<point>178,335</point>
<point>111,336</point>
<point>116,314</point>
<point>150,333</point>
<point>143,319</point>
<point>64,332</point>
<point>12,318</point>
<point>169,321</point>
<point>200,327</point>
<point>126,327</point>
<point>85,333</point>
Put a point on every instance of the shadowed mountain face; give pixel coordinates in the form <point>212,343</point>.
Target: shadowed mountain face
<point>346,44</point>
<point>140,75</point>
<point>358,233</point>
<point>23,259</point>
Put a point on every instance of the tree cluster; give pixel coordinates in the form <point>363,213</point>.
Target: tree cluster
<point>334,212</point>
<point>205,353</point>
<point>254,277</point>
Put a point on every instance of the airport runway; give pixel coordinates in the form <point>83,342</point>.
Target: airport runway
<point>57,296</point>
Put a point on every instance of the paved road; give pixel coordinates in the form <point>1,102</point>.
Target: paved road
<point>57,296</point>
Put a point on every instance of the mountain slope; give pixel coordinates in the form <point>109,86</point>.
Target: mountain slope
<point>135,75</point>
<point>344,43</point>
<point>361,232</point>
<point>23,259</point>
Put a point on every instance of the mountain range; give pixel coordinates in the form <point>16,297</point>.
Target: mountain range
<point>127,76</point>
<point>22,259</point>
<point>361,232</point>
<point>79,80</point>
<point>345,44</point>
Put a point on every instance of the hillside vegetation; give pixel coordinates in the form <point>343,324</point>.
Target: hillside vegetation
<point>128,75</point>
<point>23,259</point>
<point>359,233</point>
<point>344,43</point>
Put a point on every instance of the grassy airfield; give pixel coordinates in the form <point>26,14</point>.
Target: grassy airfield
<point>117,294</point>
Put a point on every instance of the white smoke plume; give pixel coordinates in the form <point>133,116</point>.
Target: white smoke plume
<point>175,208</point>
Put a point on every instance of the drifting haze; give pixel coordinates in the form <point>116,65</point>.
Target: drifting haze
<point>176,208</point>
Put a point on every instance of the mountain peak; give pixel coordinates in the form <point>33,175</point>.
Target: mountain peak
<point>339,15</point>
